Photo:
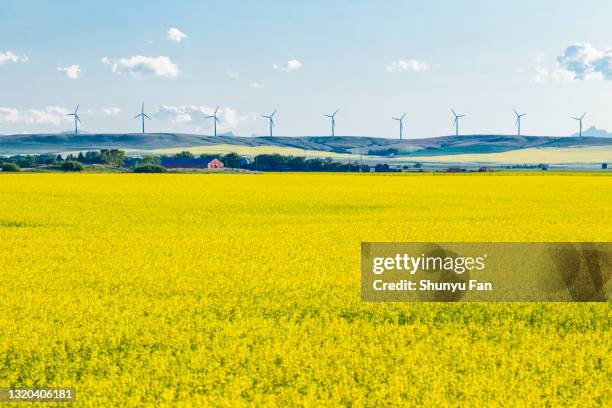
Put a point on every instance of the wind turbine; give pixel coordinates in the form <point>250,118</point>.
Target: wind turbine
<point>215,119</point>
<point>143,116</point>
<point>333,121</point>
<point>401,123</point>
<point>270,119</point>
<point>456,122</point>
<point>580,121</point>
<point>518,120</point>
<point>77,120</point>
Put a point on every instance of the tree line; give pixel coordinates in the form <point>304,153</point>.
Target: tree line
<point>152,163</point>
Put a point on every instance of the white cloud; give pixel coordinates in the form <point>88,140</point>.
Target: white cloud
<point>579,62</point>
<point>110,111</point>
<point>256,85</point>
<point>582,61</point>
<point>407,66</point>
<point>545,71</point>
<point>51,115</point>
<point>8,56</point>
<point>196,116</point>
<point>288,66</point>
<point>139,66</point>
<point>233,75</point>
<point>176,35</point>
<point>104,111</point>
<point>72,71</point>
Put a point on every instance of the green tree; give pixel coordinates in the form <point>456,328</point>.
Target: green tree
<point>183,155</point>
<point>149,159</point>
<point>70,165</point>
<point>10,167</point>
<point>232,160</point>
<point>112,157</point>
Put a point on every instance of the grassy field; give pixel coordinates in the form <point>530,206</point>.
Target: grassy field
<point>230,290</point>
<point>597,154</point>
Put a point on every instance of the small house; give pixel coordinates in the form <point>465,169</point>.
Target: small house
<point>604,166</point>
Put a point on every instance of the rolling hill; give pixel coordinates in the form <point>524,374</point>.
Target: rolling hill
<point>445,147</point>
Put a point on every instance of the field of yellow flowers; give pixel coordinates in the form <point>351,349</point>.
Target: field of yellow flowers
<point>230,290</point>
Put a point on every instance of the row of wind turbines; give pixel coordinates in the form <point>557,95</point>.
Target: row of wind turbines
<point>142,115</point>
<point>519,116</point>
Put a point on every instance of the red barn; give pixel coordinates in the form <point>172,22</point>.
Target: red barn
<point>215,164</point>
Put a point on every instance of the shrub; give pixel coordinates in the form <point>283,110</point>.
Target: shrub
<point>71,165</point>
<point>149,159</point>
<point>13,167</point>
<point>149,168</point>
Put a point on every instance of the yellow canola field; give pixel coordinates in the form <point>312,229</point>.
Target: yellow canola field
<point>231,290</point>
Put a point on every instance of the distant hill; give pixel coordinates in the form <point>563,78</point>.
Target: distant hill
<point>446,145</point>
<point>595,132</point>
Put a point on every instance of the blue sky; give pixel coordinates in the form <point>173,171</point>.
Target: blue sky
<point>373,59</point>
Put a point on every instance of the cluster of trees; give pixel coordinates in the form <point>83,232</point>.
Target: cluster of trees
<point>277,162</point>
<point>262,162</point>
<point>72,162</point>
<point>152,163</point>
<point>231,160</point>
<point>109,157</point>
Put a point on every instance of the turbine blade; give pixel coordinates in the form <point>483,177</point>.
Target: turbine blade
<point>403,116</point>
<point>216,110</point>
<point>516,113</point>
<point>77,109</point>
<point>336,112</point>
<point>454,113</point>
<point>217,119</point>
<point>137,116</point>
<point>273,113</point>
<point>146,116</point>
<point>77,118</point>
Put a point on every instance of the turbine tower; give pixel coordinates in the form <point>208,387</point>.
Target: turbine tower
<point>580,121</point>
<point>401,123</point>
<point>456,122</point>
<point>518,120</point>
<point>215,119</point>
<point>77,120</point>
<point>270,119</point>
<point>143,116</point>
<point>333,122</point>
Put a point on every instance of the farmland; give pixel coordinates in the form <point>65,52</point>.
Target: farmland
<point>232,290</point>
